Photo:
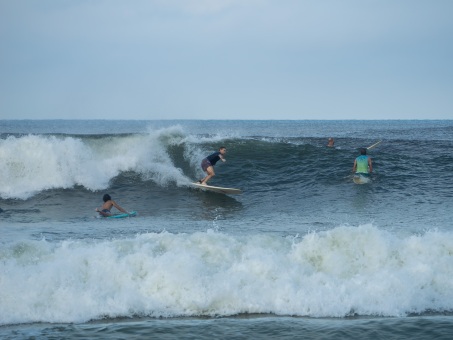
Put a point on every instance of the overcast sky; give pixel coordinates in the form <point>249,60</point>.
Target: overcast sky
<point>226,59</point>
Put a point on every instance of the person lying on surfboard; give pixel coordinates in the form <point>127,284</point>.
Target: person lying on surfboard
<point>207,164</point>
<point>362,164</point>
<point>107,206</point>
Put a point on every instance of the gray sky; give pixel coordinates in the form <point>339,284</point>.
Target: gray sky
<point>226,59</point>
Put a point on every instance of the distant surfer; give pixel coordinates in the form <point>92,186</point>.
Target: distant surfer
<point>107,206</point>
<point>362,164</point>
<point>207,164</point>
<point>330,143</point>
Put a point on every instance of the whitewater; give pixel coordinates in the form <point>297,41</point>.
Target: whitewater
<point>303,249</point>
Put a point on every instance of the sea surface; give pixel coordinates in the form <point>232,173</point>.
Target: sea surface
<point>302,253</point>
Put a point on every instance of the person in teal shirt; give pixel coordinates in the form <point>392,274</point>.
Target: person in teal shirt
<point>362,164</point>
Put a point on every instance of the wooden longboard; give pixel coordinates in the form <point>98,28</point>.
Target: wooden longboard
<point>230,191</point>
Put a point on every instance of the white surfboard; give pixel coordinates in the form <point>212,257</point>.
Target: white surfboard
<point>375,144</point>
<point>231,191</point>
<point>360,179</point>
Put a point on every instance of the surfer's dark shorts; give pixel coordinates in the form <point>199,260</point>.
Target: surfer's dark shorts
<point>106,211</point>
<point>205,164</point>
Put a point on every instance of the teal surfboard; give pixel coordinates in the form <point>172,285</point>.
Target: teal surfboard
<point>130,214</point>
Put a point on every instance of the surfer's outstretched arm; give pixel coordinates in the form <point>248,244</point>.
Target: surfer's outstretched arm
<point>118,207</point>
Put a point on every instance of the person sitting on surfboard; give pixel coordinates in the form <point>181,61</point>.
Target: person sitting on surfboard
<point>331,143</point>
<point>207,164</point>
<point>107,206</point>
<point>362,164</point>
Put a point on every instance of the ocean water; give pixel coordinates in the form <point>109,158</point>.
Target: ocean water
<point>302,253</point>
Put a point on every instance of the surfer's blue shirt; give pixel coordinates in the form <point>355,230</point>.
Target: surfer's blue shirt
<point>214,158</point>
<point>362,164</point>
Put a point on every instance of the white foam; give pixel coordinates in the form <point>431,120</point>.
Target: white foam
<point>34,163</point>
<point>346,270</point>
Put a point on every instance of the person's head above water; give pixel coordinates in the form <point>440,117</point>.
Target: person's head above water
<point>106,197</point>
<point>363,151</point>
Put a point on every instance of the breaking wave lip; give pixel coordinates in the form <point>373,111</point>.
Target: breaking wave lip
<point>345,271</point>
<point>34,163</point>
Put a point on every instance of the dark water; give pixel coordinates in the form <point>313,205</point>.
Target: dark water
<point>263,327</point>
<point>303,251</point>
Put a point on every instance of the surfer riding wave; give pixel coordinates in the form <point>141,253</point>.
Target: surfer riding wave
<point>207,164</point>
